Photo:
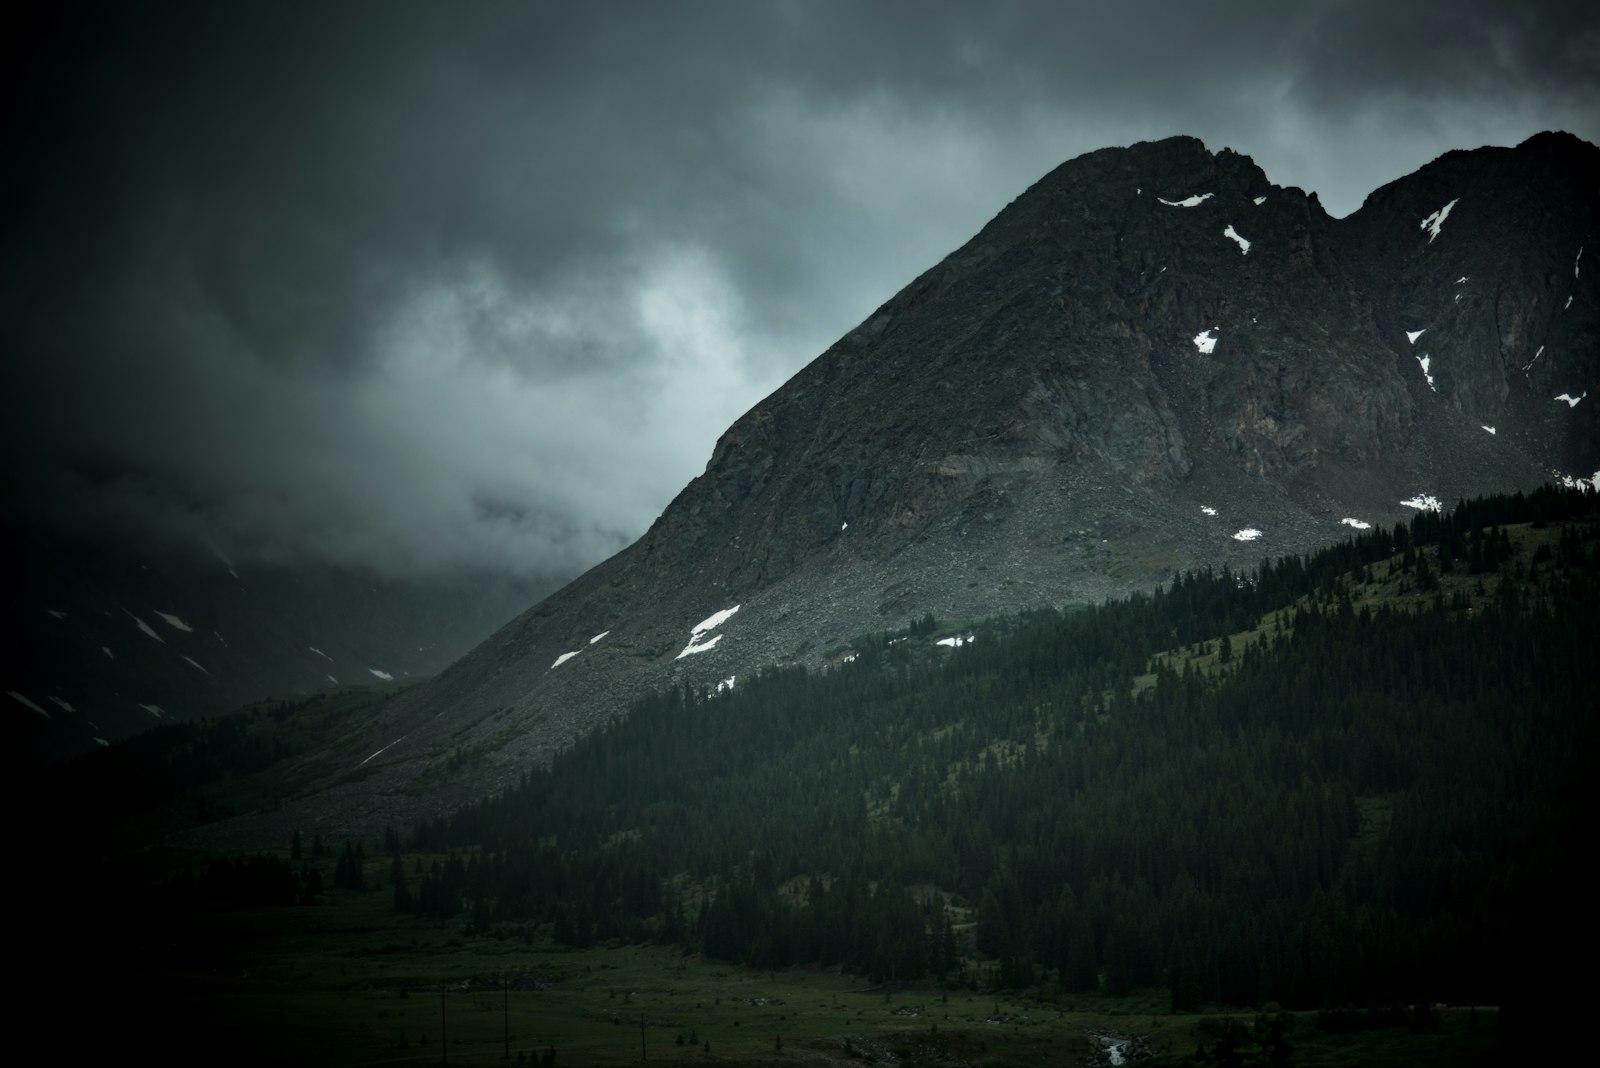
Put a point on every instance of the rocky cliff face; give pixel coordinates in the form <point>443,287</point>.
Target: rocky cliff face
<point>1153,359</point>
<point>1495,279</point>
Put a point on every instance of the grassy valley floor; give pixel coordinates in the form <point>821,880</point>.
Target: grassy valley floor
<point>353,983</point>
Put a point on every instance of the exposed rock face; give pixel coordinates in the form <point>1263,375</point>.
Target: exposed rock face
<point>1146,337</point>
<point>1510,318</point>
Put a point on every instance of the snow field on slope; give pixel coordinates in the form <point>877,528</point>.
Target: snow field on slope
<point>1187,202</point>
<point>28,703</point>
<point>1434,222</point>
<point>710,623</point>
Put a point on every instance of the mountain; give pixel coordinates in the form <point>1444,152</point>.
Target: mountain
<point>101,643</point>
<point>1153,359</point>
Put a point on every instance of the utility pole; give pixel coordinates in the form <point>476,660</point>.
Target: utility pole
<point>643,1055</point>
<point>505,1017</point>
<point>444,1036</point>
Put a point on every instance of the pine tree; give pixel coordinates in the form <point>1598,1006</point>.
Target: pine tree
<point>403,901</point>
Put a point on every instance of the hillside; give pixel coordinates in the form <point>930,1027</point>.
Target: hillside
<point>104,641</point>
<point>1348,778</point>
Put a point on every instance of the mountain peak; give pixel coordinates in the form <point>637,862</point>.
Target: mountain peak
<point>1153,359</point>
<point>1173,168</point>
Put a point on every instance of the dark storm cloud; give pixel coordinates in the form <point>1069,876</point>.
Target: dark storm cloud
<point>436,284</point>
<point>1444,49</point>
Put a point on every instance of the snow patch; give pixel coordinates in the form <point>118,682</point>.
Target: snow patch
<point>844,526</point>
<point>30,704</point>
<point>1572,402</point>
<point>1232,234</point>
<point>145,627</point>
<point>1208,510</point>
<point>58,613</point>
<point>1412,335</point>
<point>333,680</point>
<point>107,650</point>
<point>1487,427</point>
<point>957,641</point>
<point>710,623</point>
<point>154,710</point>
<point>1205,342</point>
<point>1460,280</point>
<point>1575,261</point>
<point>175,623</point>
<point>726,685</point>
<point>1247,534</point>
<point>713,621</point>
<point>384,675</point>
<point>696,647</point>
<point>319,652</point>
<point>1359,524</point>
<point>102,743</point>
<point>1258,201</point>
<point>1187,202</point>
<point>597,637</point>
<point>197,667</point>
<point>1433,222</point>
<point>1425,360</point>
<point>391,745</point>
<point>65,706</point>
<point>1424,502</point>
<point>1568,304</point>
<point>563,658</point>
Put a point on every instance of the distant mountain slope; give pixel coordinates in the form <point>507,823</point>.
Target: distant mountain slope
<point>1152,359</point>
<point>100,645</point>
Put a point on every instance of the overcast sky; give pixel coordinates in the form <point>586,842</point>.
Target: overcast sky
<point>429,285</point>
